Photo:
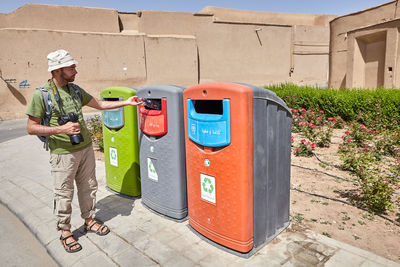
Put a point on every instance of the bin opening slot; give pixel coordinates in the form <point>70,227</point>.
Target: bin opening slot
<point>112,99</point>
<point>208,106</point>
<point>152,104</point>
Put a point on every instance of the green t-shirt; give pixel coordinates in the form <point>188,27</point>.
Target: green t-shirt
<point>70,102</point>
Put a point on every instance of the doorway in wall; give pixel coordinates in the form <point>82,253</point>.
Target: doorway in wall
<point>369,61</point>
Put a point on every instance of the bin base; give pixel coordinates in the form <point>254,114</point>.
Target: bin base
<point>163,215</point>
<point>237,253</point>
<point>120,194</point>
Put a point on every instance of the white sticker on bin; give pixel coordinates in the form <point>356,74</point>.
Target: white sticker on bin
<point>151,170</point>
<point>113,157</point>
<point>207,184</point>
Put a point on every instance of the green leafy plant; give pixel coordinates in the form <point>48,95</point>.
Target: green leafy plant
<point>326,234</point>
<point>323,136</point>
<point>356,163</point>
<point>304,149</point>
<point>298,218</point>
<point>95,127</point>
<point>373,108</point>
<point>358,134</point>
<point>376,193</point>
<point>388,144</point>
<point>368,216</point>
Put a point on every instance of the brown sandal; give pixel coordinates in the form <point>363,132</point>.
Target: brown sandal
<point>68,246</point>
<point>99,231</point>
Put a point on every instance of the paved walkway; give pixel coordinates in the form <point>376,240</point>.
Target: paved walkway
<point>18,246</point>
<point>139,237</point>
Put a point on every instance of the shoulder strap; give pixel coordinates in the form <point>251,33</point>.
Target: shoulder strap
<point>46,119</point>
<point>77,90</point>
<point>47,104</point>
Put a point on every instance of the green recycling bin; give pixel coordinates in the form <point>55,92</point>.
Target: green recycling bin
<point>121,149</point>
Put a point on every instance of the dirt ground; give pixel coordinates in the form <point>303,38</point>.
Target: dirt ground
<point>332,218</point>
<point>337,220</point>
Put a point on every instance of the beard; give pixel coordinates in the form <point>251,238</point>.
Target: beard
<point>66,77</point>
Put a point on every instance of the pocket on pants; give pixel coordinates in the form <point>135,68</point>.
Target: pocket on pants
<point>55,160</point>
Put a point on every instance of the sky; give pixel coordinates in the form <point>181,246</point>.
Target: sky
<point>337,7</point>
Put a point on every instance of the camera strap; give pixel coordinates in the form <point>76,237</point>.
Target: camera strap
<point>56,95</point>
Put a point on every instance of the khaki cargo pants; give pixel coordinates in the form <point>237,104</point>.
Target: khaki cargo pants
<point>66,168</point>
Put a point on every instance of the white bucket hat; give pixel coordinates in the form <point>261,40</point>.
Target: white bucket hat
<point>60,59</point>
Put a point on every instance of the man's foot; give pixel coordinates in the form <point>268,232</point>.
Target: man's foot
<point>69,243</point>
<point>96,227</point>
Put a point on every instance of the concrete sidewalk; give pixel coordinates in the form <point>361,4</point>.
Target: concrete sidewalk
<point>139,237</point>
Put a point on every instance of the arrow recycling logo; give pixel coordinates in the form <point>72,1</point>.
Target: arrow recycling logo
<point>207,184</point>
<point>113,157</point>
<point>151,170</point>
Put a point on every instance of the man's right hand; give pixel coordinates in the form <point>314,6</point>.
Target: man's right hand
<point>71,128</point>
<point>34,127</point>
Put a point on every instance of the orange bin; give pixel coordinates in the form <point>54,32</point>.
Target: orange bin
<point>220,167</point>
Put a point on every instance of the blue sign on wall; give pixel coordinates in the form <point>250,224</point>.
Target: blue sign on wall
<point>24,84</point>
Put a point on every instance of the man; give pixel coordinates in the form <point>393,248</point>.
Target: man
<point>69,162</point>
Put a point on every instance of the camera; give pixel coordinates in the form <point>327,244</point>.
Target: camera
<point>75,139</point>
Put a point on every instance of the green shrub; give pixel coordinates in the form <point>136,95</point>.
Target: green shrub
<point>373,108</point>
<point>95,127</point>
<point>388,144</point>
<point>304,149</point>
<point>376,193</point>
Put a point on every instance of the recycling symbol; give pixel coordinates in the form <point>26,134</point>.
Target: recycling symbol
<point>207,185</point>
<point>151,167</point>
<point>113,155</point>
<point>151,171</point>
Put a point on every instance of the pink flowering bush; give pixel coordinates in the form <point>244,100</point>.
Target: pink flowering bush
<point>359,134</point>
<point>304,149</point>
<point>376,193</point>
<point>364,160</point>
<point>368,154</point>
<point>355,161</point>
<point>336,122</point>
<point>313,126</point>
<point>388,143</point>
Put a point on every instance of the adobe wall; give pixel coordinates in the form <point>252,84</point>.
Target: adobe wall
<point>85,19</point>
<point>259,17</point>
<point>310,55</point>
<point>237,53</point>
<point>369,46</point>
<point>262,54</point>
<point>3,20</point>
<point>341,44</point>
<point>159,22</point>
<point>151,47</point>
<point>128,22</point>
<point>171,60</point>
<point>102,61</point>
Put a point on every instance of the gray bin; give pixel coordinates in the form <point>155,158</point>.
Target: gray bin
<point>162,150</point>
